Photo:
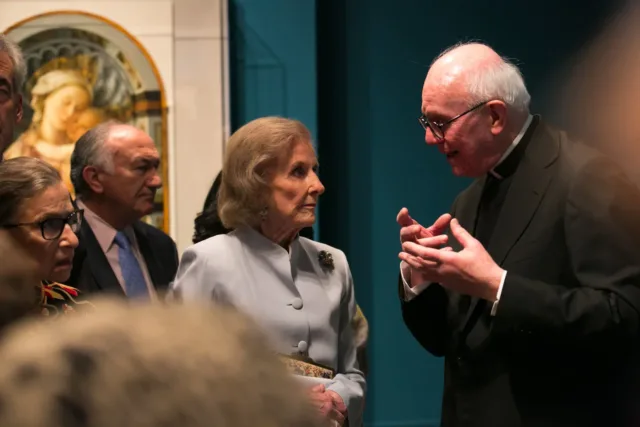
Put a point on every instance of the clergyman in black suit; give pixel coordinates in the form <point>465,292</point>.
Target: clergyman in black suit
<point>114,170</point>
<point>532,291</point>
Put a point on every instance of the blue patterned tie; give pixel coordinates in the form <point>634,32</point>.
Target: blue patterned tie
<point>134,284</point>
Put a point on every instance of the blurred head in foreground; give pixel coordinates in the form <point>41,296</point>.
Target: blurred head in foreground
<point>146,366</point>
<point>19,294</point>
<point>601,97</point>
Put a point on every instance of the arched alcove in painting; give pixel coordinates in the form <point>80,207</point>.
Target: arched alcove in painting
<point>83,69</point>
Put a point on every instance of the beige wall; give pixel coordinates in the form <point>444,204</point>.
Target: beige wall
<point>187,39</point>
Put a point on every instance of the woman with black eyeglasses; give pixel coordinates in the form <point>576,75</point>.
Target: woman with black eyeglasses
<point>36,209</point>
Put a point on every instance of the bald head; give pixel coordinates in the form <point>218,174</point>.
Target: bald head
<point>453,65</point>
<point>474,103</point>
<point>477,73</point>
<point>122,138</point>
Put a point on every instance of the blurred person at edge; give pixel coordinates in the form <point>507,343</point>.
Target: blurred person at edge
<point>147,365</point>
<point>13,72</point>
<point>599,98</point>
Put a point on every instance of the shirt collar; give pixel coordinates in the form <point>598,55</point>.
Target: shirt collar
<point>105,233</point>
<point>513,145</point>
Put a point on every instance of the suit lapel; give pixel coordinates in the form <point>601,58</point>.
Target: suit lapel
<point>530,182</point>
<point>529,185</point>
<point>101,271</point>
<point>146,249</point>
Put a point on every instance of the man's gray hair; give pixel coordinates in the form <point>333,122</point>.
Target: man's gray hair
<point>90,150</point>
<point>495,80</point>
<point>19,66</point>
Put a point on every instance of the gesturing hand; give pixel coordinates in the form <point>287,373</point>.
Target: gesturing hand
<point>412,231</point>
<point>471,271</point>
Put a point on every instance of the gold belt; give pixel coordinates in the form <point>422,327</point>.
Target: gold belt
<point>307,367</point>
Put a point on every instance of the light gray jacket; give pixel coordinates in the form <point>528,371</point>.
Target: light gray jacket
<point>303,304</point>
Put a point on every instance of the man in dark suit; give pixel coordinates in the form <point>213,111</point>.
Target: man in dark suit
<point>532,291</point>
<point>114,170</point>
<point>12,74</point>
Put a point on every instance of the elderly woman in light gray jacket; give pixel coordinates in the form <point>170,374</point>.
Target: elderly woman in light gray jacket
<point>300,291</point>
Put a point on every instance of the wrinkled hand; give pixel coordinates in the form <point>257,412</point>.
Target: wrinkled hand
<point>329,404</point>
<point>412,231</point>
<point>471,271</point>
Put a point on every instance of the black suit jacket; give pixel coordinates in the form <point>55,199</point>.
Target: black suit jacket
<point>92,273</point>
<point>561,349</point>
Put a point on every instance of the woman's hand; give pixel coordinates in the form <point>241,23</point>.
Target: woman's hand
<point>329,403</point>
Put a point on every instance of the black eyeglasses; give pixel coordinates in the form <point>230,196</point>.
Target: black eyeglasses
<point>52,228</point>
<point>438,128</point>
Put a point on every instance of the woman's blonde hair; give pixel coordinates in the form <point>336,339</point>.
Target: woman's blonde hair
<point>252,152</point>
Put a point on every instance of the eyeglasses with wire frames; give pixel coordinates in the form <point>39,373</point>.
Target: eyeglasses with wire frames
<point>438,128</point>
<point>52,228</point>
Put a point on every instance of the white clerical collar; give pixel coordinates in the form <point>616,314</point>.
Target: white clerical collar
<point>513,145</point>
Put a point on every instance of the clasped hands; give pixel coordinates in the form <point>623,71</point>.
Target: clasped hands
<point>329,404</point>
<point>428,258</point>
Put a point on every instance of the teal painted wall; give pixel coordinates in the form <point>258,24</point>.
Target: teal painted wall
<point>352,71</point>
<point>273,60</point>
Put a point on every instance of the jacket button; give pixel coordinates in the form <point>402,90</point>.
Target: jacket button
<point>297,303</point>
<point>303,346</point>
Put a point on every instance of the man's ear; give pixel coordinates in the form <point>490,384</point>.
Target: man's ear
<point>19,108</point>
<point>90,175</point>
<point>498,111</point>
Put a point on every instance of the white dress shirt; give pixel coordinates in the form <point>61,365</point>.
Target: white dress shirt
<point>409,292</point>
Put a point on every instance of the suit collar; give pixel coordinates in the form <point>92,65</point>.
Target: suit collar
<point>506,162</point>
<point>103,231</point>
<point>90,253</point>
<point>540,149</point>
<point>149,253</point>
<point>530,182</point>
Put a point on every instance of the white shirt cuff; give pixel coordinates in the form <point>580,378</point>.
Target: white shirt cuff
<point>409,292</point>
<point>494,307</point>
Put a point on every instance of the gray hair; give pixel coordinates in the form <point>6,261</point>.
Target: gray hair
<point>90,150</point>
<point>22,178</point>
<point>147,366</point>
<point>495,80</point>
<point>19,66</point>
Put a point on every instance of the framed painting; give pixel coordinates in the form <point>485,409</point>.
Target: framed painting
<point>82,70</point>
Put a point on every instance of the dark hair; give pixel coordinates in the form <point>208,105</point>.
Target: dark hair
<point>208,223</point>
<point>22,178</point>
<point>90,151</point>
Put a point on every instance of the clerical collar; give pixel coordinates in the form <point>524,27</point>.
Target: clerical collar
<point>495,171</point>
